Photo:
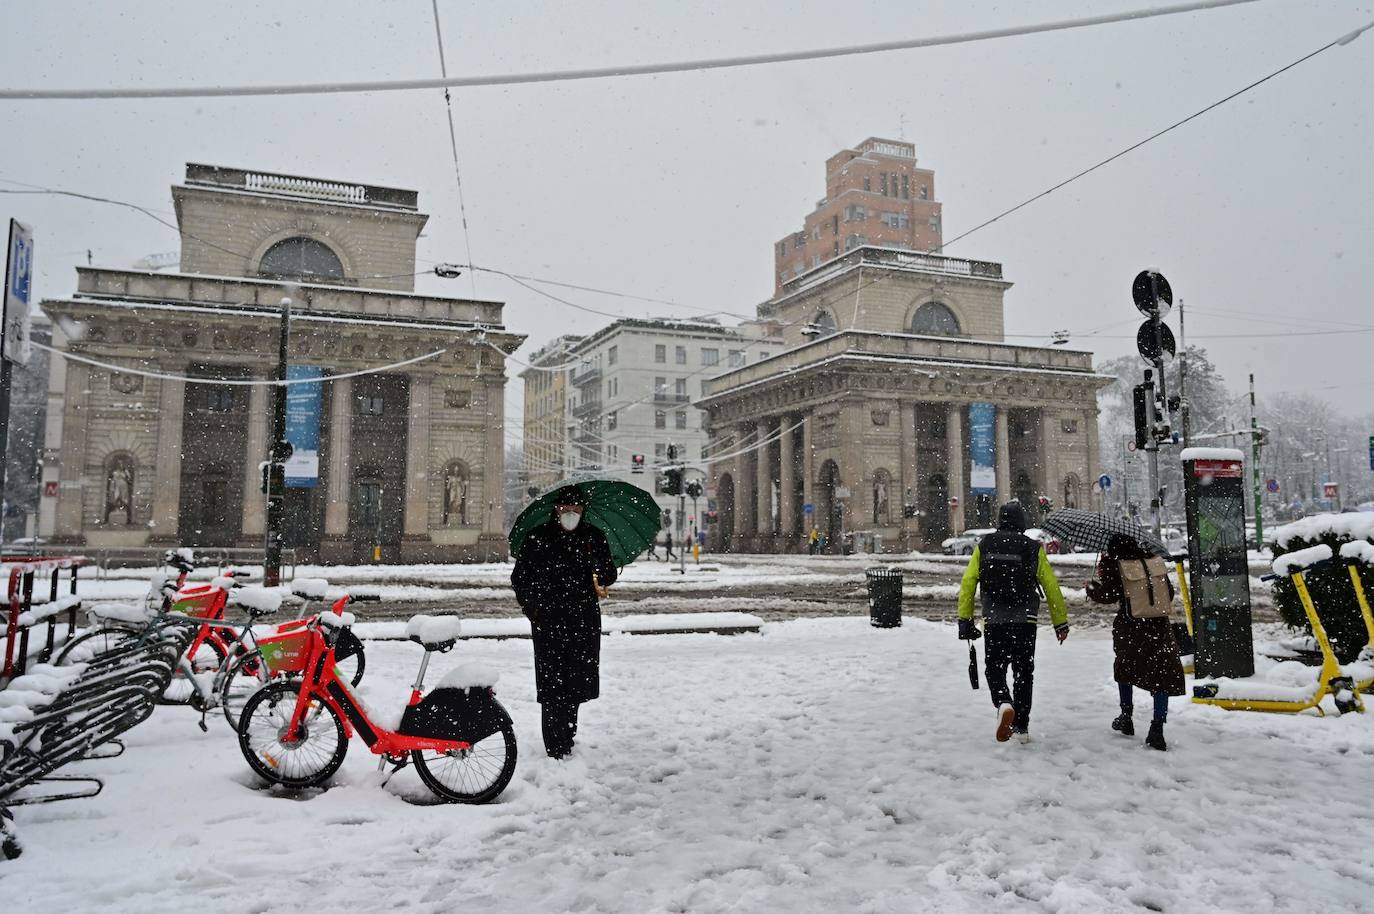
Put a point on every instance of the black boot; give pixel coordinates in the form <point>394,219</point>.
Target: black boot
<point>1123,723</point>
<point>1155,738</point>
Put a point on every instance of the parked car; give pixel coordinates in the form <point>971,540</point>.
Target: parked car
<point>963,543</point>
<point>1049,541</point>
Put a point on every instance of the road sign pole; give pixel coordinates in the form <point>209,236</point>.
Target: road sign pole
<point>1255,468</point>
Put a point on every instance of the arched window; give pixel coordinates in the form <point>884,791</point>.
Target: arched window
<point>882,487</point>
<point>823,324</point>
<point>300,258</point>
<point>455,493</point>
<point>935,319</point>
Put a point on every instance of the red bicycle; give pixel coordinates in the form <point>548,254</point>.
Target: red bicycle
<point>461,740</point>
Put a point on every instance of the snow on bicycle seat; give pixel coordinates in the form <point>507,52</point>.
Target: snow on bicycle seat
<point>436,633</point>
<point>118,612</point>
<point>257,601</point>
<point>336,620</point>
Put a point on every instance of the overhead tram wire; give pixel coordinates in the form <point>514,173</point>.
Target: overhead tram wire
<point>650,69</point>
<point>453,144</point>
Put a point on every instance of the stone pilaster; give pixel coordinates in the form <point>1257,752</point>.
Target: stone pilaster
<point>1004,459</point>
<point>337,484</point>
<point>417,459</point>
<point>808,462</point>
<point>171,408</point>
<point>763,480</point>
<point>954,439</point>
<point>75,416</point>
<point>254,453</point>
<point>744,483</point>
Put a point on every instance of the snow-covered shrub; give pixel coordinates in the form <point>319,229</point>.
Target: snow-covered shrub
<point>1332,593</point>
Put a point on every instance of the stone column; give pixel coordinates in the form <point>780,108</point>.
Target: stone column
<point>744,482</point>
<point>787,480</point>
<point>340,433</point>
<point>493,470</point>
<point>254,453</point>
<point>1093,468</point>
<point>417,459</point>
<point>909,473</point>
<point>954,440</point>
<point>763,480</point>
<point>808,469</point>
<point>75,415</point>
<point>1004,460</point>
<point>167,479</point>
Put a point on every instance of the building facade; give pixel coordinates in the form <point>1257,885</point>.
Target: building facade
<point>897,410</point>
<point>404,463</point>
<point>633,386</point>
<point>874,195</point>
<point>547,442</point>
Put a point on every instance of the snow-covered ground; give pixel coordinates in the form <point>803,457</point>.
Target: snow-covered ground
<point>822,765</point>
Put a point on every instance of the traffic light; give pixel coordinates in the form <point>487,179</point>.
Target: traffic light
<point>1046,506</point>
<point>672,481</point>
<point>636,463</point>
<point>667,518</point>
<point>274,480</point>
<point>712,517</point>
<point>693,489</point>
<point>1140,398</point>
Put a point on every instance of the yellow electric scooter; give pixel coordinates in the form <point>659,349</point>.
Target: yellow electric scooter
<point>1354,554</point>
<point>1330,680</point>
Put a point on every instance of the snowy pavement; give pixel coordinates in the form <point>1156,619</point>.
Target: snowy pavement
<point>822,765</point>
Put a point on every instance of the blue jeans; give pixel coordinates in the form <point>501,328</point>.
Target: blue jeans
<point>1161,701</point>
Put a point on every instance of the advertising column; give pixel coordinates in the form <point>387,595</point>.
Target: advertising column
<point>982,475</point>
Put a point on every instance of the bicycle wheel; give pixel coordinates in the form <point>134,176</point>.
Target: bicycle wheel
<point>90,645</point>
<point>306,761</point>
<point>349,659</point>
<point>209,657</point>
<point>476,775</point>
<point>247,673</point>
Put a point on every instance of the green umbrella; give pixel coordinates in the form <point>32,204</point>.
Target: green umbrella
<point>627,514</point>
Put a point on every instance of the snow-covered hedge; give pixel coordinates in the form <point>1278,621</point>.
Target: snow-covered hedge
<point>1332,592</point>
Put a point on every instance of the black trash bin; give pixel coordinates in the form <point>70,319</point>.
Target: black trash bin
<point>884,597</point>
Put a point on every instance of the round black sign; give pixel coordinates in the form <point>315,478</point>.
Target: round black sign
<point>1151,296</point>
<point>1147,345</point>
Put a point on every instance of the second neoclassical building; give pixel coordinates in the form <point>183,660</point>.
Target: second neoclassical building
<point>154,439</point>
<point>896,409</point>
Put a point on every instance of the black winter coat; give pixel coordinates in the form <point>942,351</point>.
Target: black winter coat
<point>1146,650</point>
<point>553,585</point>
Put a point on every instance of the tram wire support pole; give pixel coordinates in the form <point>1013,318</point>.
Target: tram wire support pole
<point>277,457</point>
<point>1255,467</point>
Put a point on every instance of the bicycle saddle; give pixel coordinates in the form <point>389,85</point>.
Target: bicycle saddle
<point>435,633</point>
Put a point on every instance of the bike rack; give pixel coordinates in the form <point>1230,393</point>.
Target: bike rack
<point>23,615</point>
<point>1330,679</point>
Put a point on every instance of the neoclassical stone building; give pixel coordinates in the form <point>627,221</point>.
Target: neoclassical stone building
<point>896,409</point>
<point>408,461</point>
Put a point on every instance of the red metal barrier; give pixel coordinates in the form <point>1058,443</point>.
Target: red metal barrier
<point>23,616</point>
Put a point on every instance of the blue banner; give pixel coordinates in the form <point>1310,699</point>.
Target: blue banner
<point>982,477</point>
<point>303,427</point>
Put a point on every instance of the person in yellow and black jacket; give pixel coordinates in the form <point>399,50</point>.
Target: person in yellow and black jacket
<point>1010,571</point>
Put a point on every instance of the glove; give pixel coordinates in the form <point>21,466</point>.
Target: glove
<point>1061,631</point>
<point>968,631</point>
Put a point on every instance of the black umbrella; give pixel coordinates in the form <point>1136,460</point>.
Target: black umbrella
<point>972,665</point>
<point>1089,530</point>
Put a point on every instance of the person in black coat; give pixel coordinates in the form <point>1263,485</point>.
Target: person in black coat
<point>554,585</point>
<point>1146,650</point>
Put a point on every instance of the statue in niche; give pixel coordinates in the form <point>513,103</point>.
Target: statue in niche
<point>880,500</point>
<point>119,491</point>
<point>455,494</point>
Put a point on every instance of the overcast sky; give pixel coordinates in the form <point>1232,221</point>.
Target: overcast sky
<point>676,186</point>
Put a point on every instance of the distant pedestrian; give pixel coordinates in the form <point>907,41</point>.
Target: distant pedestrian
<point>1142,637</point>
<point>1010,570</point>
<point>556,577</point>
<point>668,546</point>
<point>653,550</point>
<point>813,541</point>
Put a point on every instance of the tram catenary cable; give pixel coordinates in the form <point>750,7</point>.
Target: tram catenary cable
<point>650,69</point>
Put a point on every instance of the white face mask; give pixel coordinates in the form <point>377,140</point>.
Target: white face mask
<point>570,520</point>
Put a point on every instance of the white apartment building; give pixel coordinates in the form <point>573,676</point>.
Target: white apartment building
<point>548,454</point>
<point>632,391</point>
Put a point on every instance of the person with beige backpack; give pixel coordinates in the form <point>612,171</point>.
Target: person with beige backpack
<point>1142,638</point>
